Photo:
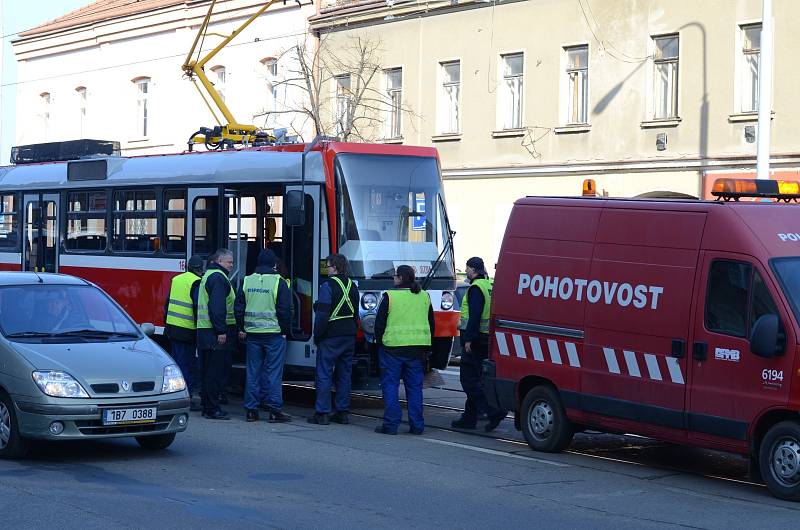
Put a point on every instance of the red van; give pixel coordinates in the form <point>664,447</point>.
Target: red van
<point>676,320</point>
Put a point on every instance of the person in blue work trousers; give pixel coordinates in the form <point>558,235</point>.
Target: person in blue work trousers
<point>180,316</point>
<point>216,329</point>
<point>263,314</point>
<point>335,329</point>
<point>404,328</point>
<point>474,330</point>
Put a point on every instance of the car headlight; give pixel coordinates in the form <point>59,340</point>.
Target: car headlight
<point>369,301</point>
<point>447,300</point>
<point>173,380</point>
<point>58,384</point>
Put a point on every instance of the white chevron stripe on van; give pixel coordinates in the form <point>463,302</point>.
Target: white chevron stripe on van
<point>555,355</point>
<point>519,346</point>
<point>633,365</point>
<point>611,360</point>
<point>652,366</point>
<point>536,346</point>
<point>572,354</point>
<point>675,370</point>
<point>501,343</point>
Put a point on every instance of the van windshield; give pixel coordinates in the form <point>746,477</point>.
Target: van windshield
<point>788,271</point>
<point>46,312</point>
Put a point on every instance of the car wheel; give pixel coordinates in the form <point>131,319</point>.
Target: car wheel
<point>779,460</point>
<point>156,442</point>
<point>544,422</point>
<point>12,445</point>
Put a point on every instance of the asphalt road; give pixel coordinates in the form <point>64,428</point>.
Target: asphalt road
<point>235,474</point>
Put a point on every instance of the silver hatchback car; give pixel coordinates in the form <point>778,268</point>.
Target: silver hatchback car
<point>73,365</point>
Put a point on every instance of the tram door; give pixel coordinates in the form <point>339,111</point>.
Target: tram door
<point>40,243</point>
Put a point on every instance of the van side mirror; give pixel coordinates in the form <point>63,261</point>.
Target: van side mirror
<point>764,336</point>
<point>148,329</point>
<point>294,212</point>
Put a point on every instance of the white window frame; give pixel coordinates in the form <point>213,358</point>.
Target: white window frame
<point>143,124</point>
<point>510,94</point>
<point>46,105</point>
<point>393,121</point>
<point>343,98</point>
<point>662,108</point>
<point>449,100</point>
<point>270,72</point>
<point>220,79</point>
<point>746,96</point>
<point>82,99</point>
<point>575,83</point>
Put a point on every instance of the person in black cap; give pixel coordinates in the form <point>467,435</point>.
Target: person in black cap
<point>474,327</point>
<point>180,315</point>
<point>263,316</point>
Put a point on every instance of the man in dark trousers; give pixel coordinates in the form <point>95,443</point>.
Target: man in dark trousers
<point>180,315</point>
<point>216,329</point>
<point>335,328</point>
<point>474,326</point>
<point>264,316</point>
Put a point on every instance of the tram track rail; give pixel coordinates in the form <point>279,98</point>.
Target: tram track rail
<point>306,393</point>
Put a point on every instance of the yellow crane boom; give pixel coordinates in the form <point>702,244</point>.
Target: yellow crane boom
<point>232,132</point>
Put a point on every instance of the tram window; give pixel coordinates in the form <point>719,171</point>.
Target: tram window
<point>175,221</point>
<point>204,227</point>
<point>135,221</point>
<point>302,271</point>
<point>9,219</point>
<point>86,221</point>
<point>249,218</point>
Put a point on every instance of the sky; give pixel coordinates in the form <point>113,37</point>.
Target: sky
<point>17,16</point>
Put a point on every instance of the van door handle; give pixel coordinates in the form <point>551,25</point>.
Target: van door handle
<point>700,351</point>
<point>678,348</point>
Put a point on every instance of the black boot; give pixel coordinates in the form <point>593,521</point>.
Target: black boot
<point>319,419</point>
<point>341,417</point>
<point>278,417</point>
<point>494,421</point>
<point>252,415</point>
<point>463,423</point>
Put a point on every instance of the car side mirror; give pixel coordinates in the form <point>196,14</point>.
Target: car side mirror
<point>148,329</point>
<point>764,336</point>
<point>294,212</point>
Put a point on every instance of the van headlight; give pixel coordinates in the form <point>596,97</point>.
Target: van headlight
<point>173,380</point>
<point>58,384</point>
<point>369,301</point>
<point>447,300</point>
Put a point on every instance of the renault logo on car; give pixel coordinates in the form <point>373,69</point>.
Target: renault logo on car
<point>126,386</point>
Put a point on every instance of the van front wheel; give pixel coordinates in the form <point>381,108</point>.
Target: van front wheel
<point>779,460</point>
<point>12,445</point>
<point>544,422</point>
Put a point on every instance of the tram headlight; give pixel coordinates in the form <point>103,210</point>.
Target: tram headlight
<point>369,301</point>
<point>447,300</point>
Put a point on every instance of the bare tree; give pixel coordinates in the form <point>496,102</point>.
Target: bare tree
<point>338,90</point>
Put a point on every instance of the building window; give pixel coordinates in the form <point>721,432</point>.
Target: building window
<point>135,221</point>
<point>44,102</point>
<point>344,99</point>
<point>665,77</point>
<point>394,93</point>
<point>577,84</point>
<point>450,98</point>
<point>80,92</point>
<point>86,221</point>
<point>270,73</point>
<point>750,58</point>
<point>510,104</point>
<point>142,106</point>
<point>219,80</point>
<point>9,233</point>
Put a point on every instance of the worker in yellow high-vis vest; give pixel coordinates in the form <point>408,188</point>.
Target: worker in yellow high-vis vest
<point>263,314</point>
<point>474,331</point>
<point>180,317</point>
<point>216,330</point>
<point>404,330</point>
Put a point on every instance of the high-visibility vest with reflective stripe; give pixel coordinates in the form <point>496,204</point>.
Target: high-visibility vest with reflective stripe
<point>203,318</point>
<point>180,309</point>
<point>261,296</point>
<point>344,301</point>
<point>486,288</point>
<point>407,323</point>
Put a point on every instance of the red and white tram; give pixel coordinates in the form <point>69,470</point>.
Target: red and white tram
<point>129,224</point>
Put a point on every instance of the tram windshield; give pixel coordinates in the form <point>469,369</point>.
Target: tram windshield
<point>392,213</point>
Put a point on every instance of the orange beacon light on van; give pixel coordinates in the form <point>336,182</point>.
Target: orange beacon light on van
<point>589,188</point>
<point>733,189</point>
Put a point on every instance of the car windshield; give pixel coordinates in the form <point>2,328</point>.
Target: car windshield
<point>75,311</point>
<point>392,213</point>
<point>788,271</point>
